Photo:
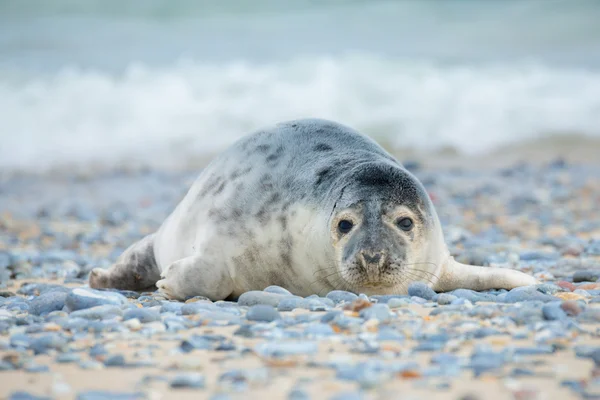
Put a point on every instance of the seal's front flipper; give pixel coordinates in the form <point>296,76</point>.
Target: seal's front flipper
<point>193,276</point>
<point>135,269</point>
<point>462,276</point>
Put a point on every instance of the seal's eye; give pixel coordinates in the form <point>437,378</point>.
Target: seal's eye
<point>345,226</point>
<point>405,224</point>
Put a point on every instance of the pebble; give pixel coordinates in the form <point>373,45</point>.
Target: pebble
<point>338,296</point>
<point>47,302</point>
<point>553,311</point>
<point>420,289</point>
<point>190,380</point>
<point>142,314</point>
<point>83,298</point>
<point>282,349</point>
<point>109,395</point>
<point>253,298</point>
<point>98,313</point>
<point>527,293</point>
<point>446,298</point>
<point>586,276</point>
<point>262,312</point>
<point>277,290</point>
<point>379,312</point>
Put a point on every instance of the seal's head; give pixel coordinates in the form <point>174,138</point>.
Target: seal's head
<point>384,230</point>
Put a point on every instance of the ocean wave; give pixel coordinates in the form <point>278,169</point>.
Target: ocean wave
<point>160,116</point>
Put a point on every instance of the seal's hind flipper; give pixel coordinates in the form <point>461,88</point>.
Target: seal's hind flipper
<point>135,269</point>
<point>463,276</point>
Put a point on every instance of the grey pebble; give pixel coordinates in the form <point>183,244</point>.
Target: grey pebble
<point>527,293</point>
<point>171,306</point>
<point>142,314</point>
<point>338,296</point>
<point>36,368</point>
<point>380,312</point>
<point>256,297</point>
<point>190,380</point>
<point>290,304</point>
<point>84,298</point>
<point>21,395</point>
<point>263,313</point>
<point>116,360</point>
<point>586,276</point>
<point>98,312</point>
<point>420,289</point>
<point>553,311</point>
<point>109,395</point>
<point>52,341</point>
<point>445,298</point>
<point>280,349</point>
<point>67,358</point>
<point>277,290</point>
<point>47,302</point>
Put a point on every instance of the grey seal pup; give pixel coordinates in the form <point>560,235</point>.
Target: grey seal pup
<point>309,205</point>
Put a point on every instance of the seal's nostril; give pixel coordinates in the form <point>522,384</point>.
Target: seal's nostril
<point>371,258</point>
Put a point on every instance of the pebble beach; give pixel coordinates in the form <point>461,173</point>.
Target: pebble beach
<point>59,339</point>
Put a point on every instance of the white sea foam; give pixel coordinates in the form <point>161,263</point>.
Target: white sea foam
<point>153,116</point>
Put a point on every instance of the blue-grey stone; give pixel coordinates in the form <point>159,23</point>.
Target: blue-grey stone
<point>36,368</point>
<point>420,289</point>
<point>256,297</point>
<point>263,313</point>
<point>298,394</point>
<point>188,381</point>
<point>548,288</point>
<point>533,351</point>
<point>389,334</point>
<point>37,289</point>
<point>553,311</point>
<point>445,298</point>
<point>20,340</point>
<point>539,255</point>
<point>593,247</point>
<point>47,302</point>
<point>282,349</point>
<point>277,290</point>
<point>171,306</point>
<point>338,296</point>
<point>485,332</point>
<point>65,358</point>
<point>98,312</point>
<point>473,296</point>
<point>142,314</point>
<point>116,360</point>
<point>84,298</point>
<point>445,359</point>
<point>196,342</point>
<point>380,312</point>
<point>198,307</point>
<point>316,305</point>
<point>527,293</point>
<point>398,302</point>
<point>109,395</point>
<point>586,276</point>
<point>291,303</point>
<point>330,316</point>
<point>52,341</point>
<point>22,395</point>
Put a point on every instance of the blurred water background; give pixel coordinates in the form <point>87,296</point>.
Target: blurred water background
<point>160,83</point>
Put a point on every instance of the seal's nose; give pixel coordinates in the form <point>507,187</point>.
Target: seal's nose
<point>372,258</point>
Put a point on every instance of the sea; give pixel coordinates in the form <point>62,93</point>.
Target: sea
<point>162,82</point>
